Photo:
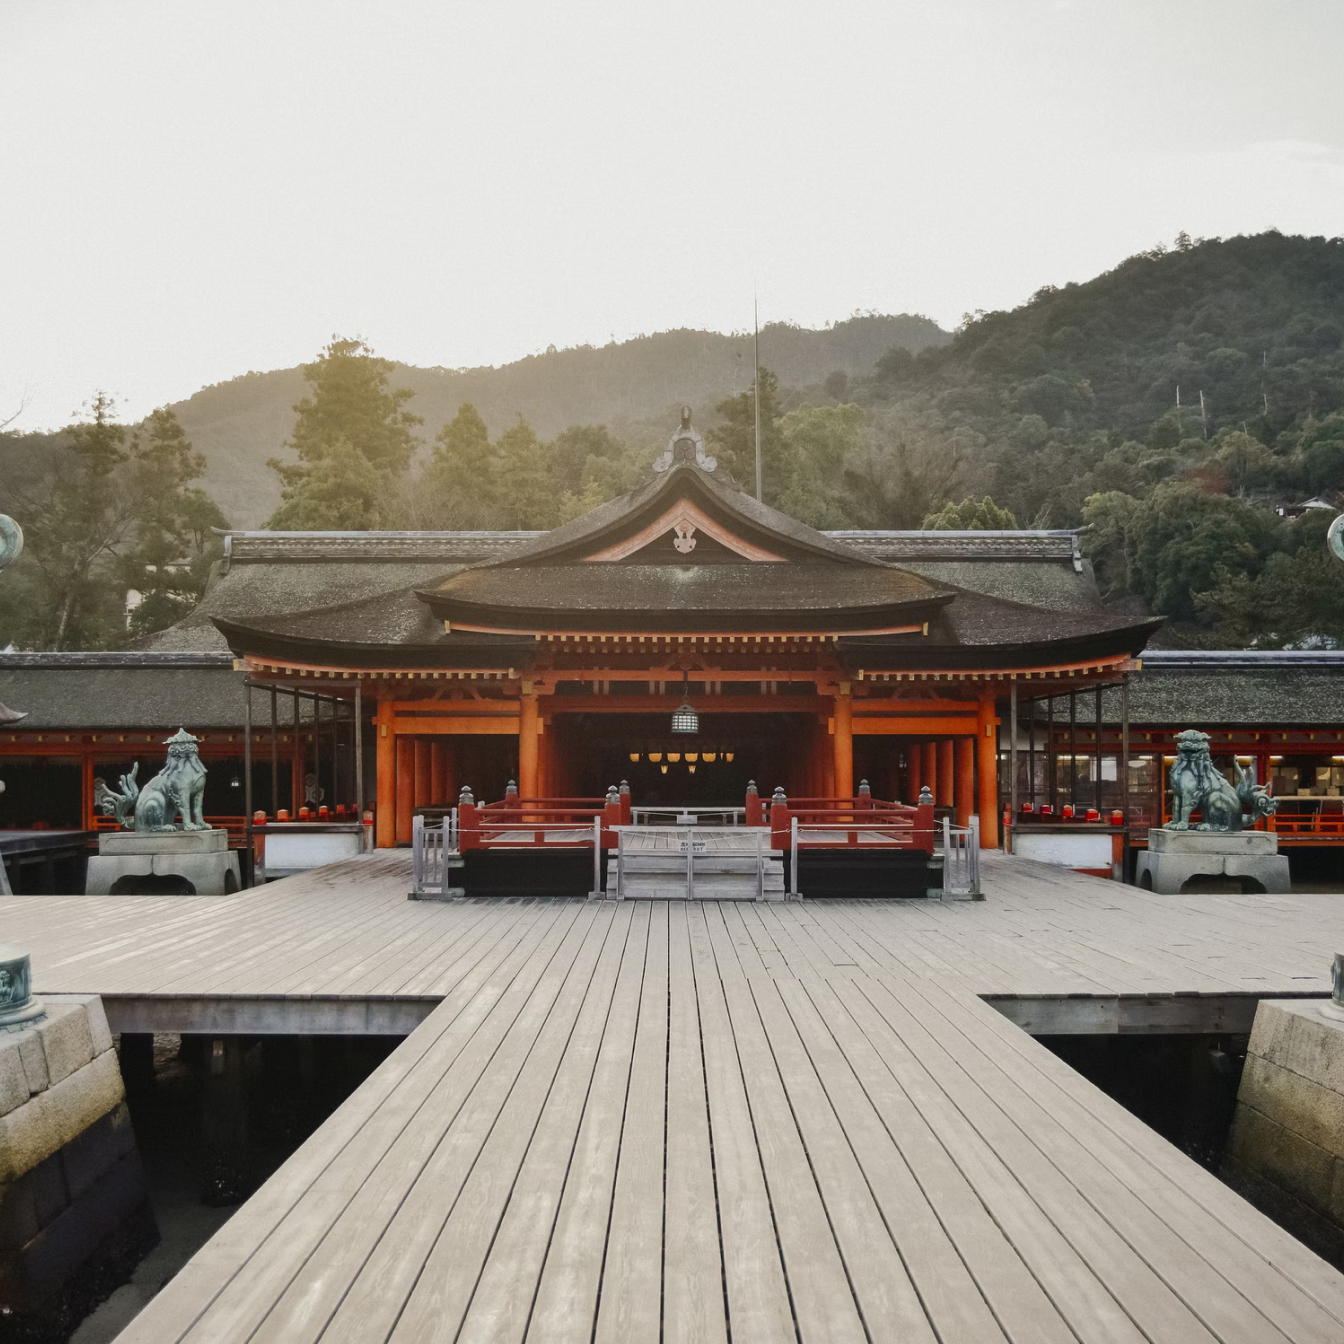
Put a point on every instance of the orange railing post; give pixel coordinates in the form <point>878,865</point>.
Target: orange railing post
<point>779,821</point>
<point>923,833</point>
<point>468,821</point>
<point>611,816</point>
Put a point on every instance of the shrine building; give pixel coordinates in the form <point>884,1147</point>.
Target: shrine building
<point>802,659</point>
<point>571,660</point>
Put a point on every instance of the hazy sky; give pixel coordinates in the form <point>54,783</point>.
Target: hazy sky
<point>190,191</point>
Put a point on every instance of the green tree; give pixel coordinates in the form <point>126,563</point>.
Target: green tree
<point>1297,599</point>
<point>340,491</point>
<point>816,445</point>
<point>971,515</point>
<point>351,409</point>
<point>526,491</point>
<point>457,488</point>
<point>576,447</point>
<point>175,545</point>
<point>1175,542</point>
<point>104,510</point>
<point>734,437</point>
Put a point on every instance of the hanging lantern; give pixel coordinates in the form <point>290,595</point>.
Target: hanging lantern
<point>674,756</point>
<point>692,755</point>
<point>728,756</point>
<point>691,768</point>
<point>634,756</point>
<point>709,757</point>
<point>663,768</point>
<point>655,756</point>
<point>685,719</point>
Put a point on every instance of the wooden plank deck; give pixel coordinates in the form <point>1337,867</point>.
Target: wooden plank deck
<point>712,1121</point>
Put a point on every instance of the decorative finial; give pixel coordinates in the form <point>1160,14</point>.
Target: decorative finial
<point>686,445</point>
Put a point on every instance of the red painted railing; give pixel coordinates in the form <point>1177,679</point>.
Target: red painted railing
<point>554,822</point>
<point>841,823</point>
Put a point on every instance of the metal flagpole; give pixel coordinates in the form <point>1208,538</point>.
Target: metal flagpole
<point>756,358</point>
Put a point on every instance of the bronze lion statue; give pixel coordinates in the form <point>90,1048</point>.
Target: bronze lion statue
<point>1197,786</point>
<point>178,790</point>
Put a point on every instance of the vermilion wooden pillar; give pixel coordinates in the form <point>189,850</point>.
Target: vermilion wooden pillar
<point>86,788</point>
<point>842,744</point>
<point>914,768</point>
<point>987,758</point>
<point>946,796</point>
<point>298,767</point>
<point>930,778</point>
<point>424,773</point>
<point>965,779</point>
<point>527,747</point>
<point>439,789</point>
<point>405,788</point>
<point>385,818</point>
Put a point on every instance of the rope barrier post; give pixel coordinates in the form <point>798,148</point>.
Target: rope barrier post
<point>793,866</point>
<point>597,858</point>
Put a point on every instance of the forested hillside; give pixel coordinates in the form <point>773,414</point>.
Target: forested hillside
<point>1172,407</point>
<point>632,386</point>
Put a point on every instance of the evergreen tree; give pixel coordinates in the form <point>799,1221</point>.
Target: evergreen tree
<point>102,512</point>
<point>971,515</point>
<point>457,488</point>
<point>526,495</point>
<point>175,545</point>
<point>734,437</point>
<point>351,410</point>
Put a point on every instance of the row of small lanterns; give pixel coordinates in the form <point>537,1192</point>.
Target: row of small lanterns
<point>663,758</point>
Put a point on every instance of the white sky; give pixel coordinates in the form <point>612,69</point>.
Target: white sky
<point>189,191</point>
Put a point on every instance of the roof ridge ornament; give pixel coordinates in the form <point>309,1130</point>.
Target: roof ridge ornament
<point>685,445</point>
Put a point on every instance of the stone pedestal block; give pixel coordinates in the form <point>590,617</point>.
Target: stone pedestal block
<point>1286,1148</point>
<point>151,863</point>
<point>73,1204</point>
<point>1236,861</point>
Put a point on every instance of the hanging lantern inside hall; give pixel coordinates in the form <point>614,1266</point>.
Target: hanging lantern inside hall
<point>685,719</point>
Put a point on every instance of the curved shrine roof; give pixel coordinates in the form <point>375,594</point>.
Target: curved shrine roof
<point>685,552</point>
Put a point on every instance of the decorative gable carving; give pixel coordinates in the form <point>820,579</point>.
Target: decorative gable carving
<point>685,519</point>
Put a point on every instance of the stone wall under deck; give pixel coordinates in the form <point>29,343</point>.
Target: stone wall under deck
<point>1286,1149</point>
<point>74,1213</point>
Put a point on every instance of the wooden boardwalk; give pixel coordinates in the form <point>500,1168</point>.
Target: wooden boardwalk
<point>692,1122</point>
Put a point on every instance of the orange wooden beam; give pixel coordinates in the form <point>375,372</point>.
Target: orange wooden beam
<point>987,762</point>
<point>385,821</point>
<point>842,744</point>
<point>965,747</point>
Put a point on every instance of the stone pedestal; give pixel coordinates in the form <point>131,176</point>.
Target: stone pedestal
<point>1285,1151</point>
<point>154,863</point>
<point>74,1213</point>
<point>1212,861</point>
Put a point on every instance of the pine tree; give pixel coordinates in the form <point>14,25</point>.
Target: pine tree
<point>351,410</point>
